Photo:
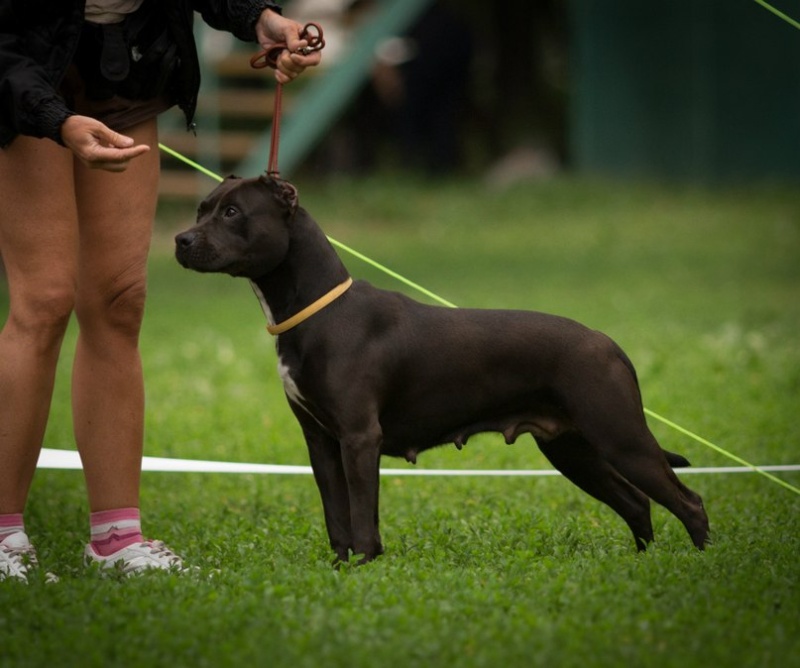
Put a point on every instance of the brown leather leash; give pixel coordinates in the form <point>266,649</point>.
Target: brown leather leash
<point>312,34</point>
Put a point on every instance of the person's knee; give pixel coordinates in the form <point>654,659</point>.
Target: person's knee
<point>126,307</point>
<point>117,308</point>
<point>42,314</point>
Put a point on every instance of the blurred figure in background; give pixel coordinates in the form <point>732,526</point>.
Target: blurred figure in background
<point>415,104</point>
<point>422,80</point>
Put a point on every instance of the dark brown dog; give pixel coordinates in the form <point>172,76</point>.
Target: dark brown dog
<point>375,373</point>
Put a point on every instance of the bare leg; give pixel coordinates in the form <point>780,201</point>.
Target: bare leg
<point>38,240</point>
<point>116,212</point>
<point>97,266</point>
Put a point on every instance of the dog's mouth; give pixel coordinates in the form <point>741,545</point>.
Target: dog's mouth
<point>202,259</point>
<point>194,258</point>
<point>206,260</point>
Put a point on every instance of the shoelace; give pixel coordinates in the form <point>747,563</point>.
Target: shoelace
<point>25,558</point>
<point>159,549</point>
<point>25,555</point>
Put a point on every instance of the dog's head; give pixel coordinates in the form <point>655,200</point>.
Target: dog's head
<point>242,228</point>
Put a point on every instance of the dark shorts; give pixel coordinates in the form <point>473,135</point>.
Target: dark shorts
<point>118,113</point>
<point>143,94</point>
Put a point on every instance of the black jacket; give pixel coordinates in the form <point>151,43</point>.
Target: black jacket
<point>38,39</point>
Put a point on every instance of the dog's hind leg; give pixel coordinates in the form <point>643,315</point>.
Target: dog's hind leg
<point>624,440</point>
<point>644,464</point>
<point>580,462</point>
<point>608,413</point>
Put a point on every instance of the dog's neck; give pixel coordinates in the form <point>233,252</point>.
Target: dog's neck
<point>310,270</point>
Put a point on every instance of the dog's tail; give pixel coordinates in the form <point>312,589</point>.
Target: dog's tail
<point>676,461</point>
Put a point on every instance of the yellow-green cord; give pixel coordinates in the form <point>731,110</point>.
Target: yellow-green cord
<point>779,13</point>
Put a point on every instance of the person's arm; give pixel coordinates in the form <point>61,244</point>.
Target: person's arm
<point>29,104</point>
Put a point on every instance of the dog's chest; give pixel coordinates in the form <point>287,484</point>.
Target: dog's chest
<point>289,383</point>
<point>293,392</point>
<point>290,387</point>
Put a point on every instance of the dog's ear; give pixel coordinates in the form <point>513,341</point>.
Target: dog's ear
<point>284,192</point>
<point>287,194</point>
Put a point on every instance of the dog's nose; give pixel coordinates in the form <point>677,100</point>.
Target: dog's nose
<point>185,239</point>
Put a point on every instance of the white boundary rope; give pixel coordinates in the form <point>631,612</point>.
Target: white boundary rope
<point>70,460</point>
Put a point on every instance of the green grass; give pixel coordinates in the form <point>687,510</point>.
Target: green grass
<point>703,291</point>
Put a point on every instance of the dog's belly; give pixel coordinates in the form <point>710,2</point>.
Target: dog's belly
<point>407,437</point>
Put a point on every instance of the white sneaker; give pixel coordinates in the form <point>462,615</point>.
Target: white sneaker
<point>137,558</point>
<point>17,556</point>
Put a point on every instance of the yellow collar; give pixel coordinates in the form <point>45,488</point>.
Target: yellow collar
<point>311,309</point>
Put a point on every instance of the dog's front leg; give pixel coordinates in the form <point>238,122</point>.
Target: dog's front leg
<point>361,453</point>
<point>326,463</point>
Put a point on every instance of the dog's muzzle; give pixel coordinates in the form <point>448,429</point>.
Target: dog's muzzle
<point>191,252</point>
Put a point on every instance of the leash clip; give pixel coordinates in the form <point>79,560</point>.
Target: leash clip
<point>311,33</point>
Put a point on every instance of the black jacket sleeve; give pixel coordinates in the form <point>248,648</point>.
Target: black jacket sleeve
<point>235,16</point>
<point>29,103</point>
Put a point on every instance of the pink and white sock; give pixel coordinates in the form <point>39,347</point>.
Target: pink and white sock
<point>113,530</point>
<point>9,524</point>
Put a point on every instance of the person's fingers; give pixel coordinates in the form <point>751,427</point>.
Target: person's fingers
<point>113,139</point>
<point>97,146</point>
<point>272,29</point>
<point>294,42</point>
<point>291,65</point>
<point>110,150</point>
<point>113,159</point>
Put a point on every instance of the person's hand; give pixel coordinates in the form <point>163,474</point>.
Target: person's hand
<point>98,146</point>
<point>271,29</point>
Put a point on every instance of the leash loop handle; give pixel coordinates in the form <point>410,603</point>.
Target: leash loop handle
<point>311,33</point>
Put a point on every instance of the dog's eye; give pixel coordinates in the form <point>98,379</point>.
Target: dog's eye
<point>230,211</point>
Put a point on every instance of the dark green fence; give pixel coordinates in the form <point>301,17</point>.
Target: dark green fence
<point>701,90</point>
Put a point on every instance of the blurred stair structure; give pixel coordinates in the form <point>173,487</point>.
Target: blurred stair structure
<point>235,107</point>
